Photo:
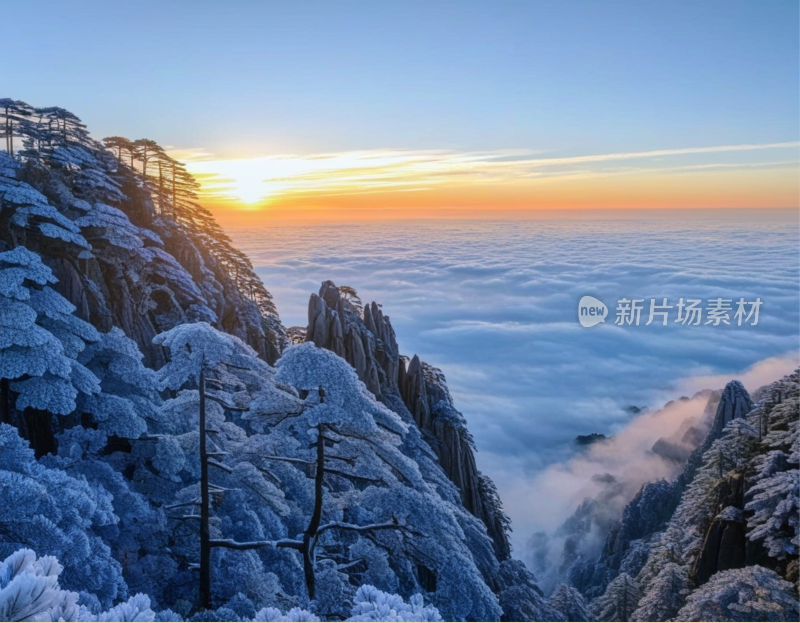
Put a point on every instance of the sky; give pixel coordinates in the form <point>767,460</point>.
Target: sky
<point>355,110</point>
<point>372,110</point>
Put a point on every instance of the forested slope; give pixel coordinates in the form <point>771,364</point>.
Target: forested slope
<point>162,446</point>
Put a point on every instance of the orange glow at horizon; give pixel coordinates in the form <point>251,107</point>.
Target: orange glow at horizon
<point>384,184</point>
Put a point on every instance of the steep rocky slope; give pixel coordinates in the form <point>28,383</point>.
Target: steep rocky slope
<point>732,510</point>
<point>412,388</point>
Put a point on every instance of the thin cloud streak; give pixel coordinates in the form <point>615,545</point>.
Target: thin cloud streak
<point>265,178</point>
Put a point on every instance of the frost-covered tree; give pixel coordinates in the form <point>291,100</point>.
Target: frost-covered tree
<point>27,214</point>
<point>57,139</point>
<point>664,596</point>
<point>776,511</point>
<point>369,484</point>
<point>15,120</point>
<point>749,594</point>
<point>772,498</point>
<point>619,601</point>
<point>341,414</point>
<point>569,602</point>
<point>196,350</point>
<point>30,591</point>
<point>128,395</point>
<point>40,341</point>
<point>58,514</point>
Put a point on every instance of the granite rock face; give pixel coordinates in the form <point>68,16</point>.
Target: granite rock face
<point>369,344</point>
<point>735,403</point>
<point>725,543</point>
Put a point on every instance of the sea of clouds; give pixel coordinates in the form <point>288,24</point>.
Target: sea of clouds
<point>494,304</point>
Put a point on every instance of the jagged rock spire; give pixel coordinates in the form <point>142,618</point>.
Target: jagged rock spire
<point>368,344</point>
<point>735,403</point>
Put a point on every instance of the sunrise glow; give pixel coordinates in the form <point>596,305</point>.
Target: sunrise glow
<point>406,183</point>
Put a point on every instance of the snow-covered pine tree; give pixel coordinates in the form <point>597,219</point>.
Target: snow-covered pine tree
<point>619,601</point>
<point>128,395</point>
<point>772,497</point>
<point>750,594</point>
<point>376,485</point>
<point>569,602</point>
<point>197,355</point>
<point>58,514</point>
<point>664,596</point>
<point>682,539</point>
<point>40,341</point>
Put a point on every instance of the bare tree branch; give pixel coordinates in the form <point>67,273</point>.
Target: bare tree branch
<point>281,543</point>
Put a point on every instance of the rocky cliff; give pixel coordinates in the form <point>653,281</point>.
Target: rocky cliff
<point>367,341</point>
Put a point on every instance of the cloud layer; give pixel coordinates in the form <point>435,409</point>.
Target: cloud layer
<point>494,305</point>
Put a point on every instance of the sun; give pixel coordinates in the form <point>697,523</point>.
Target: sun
<point>250,190</point>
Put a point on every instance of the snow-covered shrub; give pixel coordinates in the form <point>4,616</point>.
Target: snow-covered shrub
<point>619,601</point>
<point>374,605</point>
<point>369,604</point>
<point>29,591</point>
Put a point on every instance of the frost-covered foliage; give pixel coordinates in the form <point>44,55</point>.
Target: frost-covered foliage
<point>749,594</point>
<point>57,514</point>
<point>26,209</point>
<point>747,473</point>
<point>569,602</point>
<point>665,595</point>
<point>374,482</point>
<point>772,499</point>
<point>619,601</point>
<point>192,347</point>
<point>40,337</point>
<point>129,391</point>
<point>370,604</point>
<point>29,591</point>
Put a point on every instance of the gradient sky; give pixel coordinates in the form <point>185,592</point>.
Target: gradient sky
<point>363,108</point>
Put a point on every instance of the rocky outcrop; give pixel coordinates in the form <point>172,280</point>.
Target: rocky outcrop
<point>735,403</point>
<point>335,324</point>
<point>725,543</point>
<point>369,344</point>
